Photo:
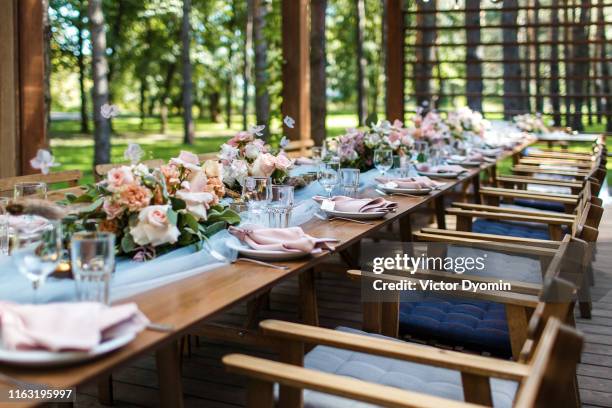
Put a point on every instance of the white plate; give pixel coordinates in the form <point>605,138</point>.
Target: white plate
<point>264,255</point>
<point>416,191</point>
<point>465,163</point>
<point>357,215</point>
<point>59,358</point>
<point>444,175</point>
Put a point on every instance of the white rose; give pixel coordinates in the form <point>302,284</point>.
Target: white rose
<point>283,163</point>
<point>228,153</point>
<point>197,203</point>
<point>140,169</point>
<point>212,168</point>
<point>251,151</point>
<point>154,227</point>
<point>264,165</point>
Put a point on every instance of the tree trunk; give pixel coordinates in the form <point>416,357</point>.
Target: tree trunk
<point>246,67</point>
<point>164,100</point>
<point>527,63</point>
<point>539,99</point>
<point>425,43</point>
<point>361,61</point>
<point>81,65</point>
<point>262,97</point>
<point>188,127</point>
<point>581,68</point>
<point>99,69</point>
<point>230,71</point>
<point>383,49</point>
<point>604,71</point>
<point>555,101</point>
<point>213,106</point>
<point>473,70</point>
<point>318,78</point>
<point>141,104</point>
<point>512,69</point>
<point>47,58</point>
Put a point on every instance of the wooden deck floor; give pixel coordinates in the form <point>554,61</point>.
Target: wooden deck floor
<point>206,384</point>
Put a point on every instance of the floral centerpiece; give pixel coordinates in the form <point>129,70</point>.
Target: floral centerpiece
<point>351,149</point>
<point>530,123</point>
<point>155,210</point>
<point>394,135</point>
<point>464,121</point>
<point>430,128</point>
<point>246,154</point>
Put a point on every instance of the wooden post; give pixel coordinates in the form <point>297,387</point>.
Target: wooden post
<point>31,81</point>
<point>9,112</point>
<point>296,67</point>
<point>395,60</point>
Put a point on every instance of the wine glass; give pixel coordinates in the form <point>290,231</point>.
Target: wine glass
<point>37,250</point>
<point>328,176</point>
<point>383,160</point>
<point>4,226</point>
<point>256,192</point>
<point>36,189</point>
<point>317,154</point>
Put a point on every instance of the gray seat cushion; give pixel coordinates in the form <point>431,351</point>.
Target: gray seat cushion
<point>395,373</point>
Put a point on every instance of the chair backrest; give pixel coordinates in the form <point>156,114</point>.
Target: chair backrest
<point>102,169</point>
<point>552,369</point>
<point>71,177</point>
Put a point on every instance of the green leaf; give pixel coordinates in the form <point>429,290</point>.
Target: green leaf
<point>178,204</point>
<point>93,206</point>
<point>215,227</point>
<point>227,215</point>
<point>190,221</point>
<point>127,243</point>
<point>172,216</point>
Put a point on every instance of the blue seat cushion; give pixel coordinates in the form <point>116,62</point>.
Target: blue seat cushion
<point>440,382</point>
<point>477,325</point>
<point>540,205</point>
<point>509,228</point>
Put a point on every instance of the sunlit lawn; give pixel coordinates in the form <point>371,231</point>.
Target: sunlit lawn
<point>75,150</point>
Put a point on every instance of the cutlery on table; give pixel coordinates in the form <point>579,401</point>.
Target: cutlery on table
<point>222,258</point>
<point>160,327</point>
<point>321,217</point>
<point>400,194</point>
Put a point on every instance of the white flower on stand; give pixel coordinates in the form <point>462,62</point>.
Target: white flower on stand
<point>289,122</point>
<point>283,142</point>
<point>133,153</point>
<point>43,161</point>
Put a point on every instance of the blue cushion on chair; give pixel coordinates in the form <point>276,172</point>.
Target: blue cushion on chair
<point>513,229</point>
<point>477,325</point>
<point>540,205</point>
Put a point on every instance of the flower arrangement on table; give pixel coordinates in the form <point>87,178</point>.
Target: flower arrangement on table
<point>531,123</point>
<point>155,210</point>
<point>430,128</point>
<point>352,150</point>
<point>464,121</point>
<point>246,154</point>
<point>394,135</point>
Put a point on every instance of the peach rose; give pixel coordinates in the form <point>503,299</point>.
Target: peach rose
<point>135,197</point>
<point>283,162</point>
<point>112,209</point>
<point>154,227</point>
<point>264,165</point>
<point>171,174</point>
<point>119,177</point>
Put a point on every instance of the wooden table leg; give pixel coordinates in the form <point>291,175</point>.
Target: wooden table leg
<point>405,228</point>
<point>440,220</point>
<point>308,298</point>
<point>169,373</point>
<point>476,186</point>
<point>105,390</point>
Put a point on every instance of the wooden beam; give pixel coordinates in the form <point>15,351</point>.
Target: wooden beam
<point>9,112</point>
<point>296,67</point>
<point>395,60</point>
<point>31,81</point>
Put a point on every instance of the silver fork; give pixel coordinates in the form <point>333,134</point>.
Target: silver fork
<point>399,194</point>
<point>319,216</point>
<point>222,258</point>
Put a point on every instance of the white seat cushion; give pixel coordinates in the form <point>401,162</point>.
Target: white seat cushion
<point>395,373</point>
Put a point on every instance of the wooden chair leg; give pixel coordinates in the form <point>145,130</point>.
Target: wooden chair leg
<point>308,298</point>
<point>517,328</point>
<point>405,228</point>
<point>585,309</point>
<point>105,390</point>
<point>169,372</point>
<point>439,204</point>
<point>260,394</point>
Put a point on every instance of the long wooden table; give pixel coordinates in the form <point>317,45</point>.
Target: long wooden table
<point>187,303</point>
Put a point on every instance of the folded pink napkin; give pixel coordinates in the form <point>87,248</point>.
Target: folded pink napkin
<point>66,326</point>
<point>292,239</point>
<point>448,168</point>
<point>362,205</point>
<point>409,182</point>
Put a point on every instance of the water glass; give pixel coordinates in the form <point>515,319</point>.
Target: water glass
<point>421,151</point>
<point>328,176</point>
<point>256,192</point>
<point>404,168</point>
<point>37,250</point>
<point>349,181</point>
<point>36,189</point>
<point>4,226</point>
<point>317,154</point>
<point>383,160</point>
<point>93,261</point>
<point>281,205</point>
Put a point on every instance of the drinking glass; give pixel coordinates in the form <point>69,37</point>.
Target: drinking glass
<point>36,189</point>
<point>93,261</point>
<point>421,152</point>
<point>37,250</point>
<point>256,192</point>
<point>328,176</point>
<point>383,160</point>
<point>317,154</point>
<point>349,181</point>
<point>404,166</point>
<point>280,206</point>
<point>4,226</point>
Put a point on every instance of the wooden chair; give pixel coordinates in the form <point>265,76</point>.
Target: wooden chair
<point>70,177</point>
<point>299,148</point>
<point>102,169</point>
<point>552,363</point>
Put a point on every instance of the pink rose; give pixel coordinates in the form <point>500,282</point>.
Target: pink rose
<point>394,137</point>
<point>283,163</point>
<point>264,165</point>
<point>187,159</point>
<point>398,124</point>
<point>171,174</point>
<point>119,177</point>
<point>135,197</point>
<point>154,227</point>
<point>112,209</point>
